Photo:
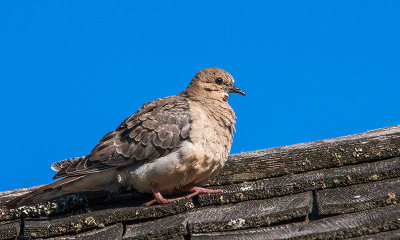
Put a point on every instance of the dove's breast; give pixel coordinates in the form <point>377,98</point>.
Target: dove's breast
<point>211,135</point>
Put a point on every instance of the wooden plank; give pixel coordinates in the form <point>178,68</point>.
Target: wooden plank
<point>295,183</point>
<point>225,218</point>
<point>49,227</point>
<point>9,230</point>
<point>173,227</point>
<point>109,233</point>
<point>250,214</point>
<point>59,206</point>
<point>358,197</point>
<point>389,235</point>
<point>359,148</point>
<point>76,202</point>
<point>40,229</point>
<point>36,229</point>
<point>338,227</point>
<point>69,203</point>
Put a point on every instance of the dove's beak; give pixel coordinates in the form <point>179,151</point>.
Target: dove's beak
<point>233,89</point>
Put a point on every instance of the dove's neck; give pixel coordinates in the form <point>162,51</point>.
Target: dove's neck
<point>198,93</point>
<point>213,103</point>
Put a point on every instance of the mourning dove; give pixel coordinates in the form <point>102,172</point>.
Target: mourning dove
<point>169,145</point>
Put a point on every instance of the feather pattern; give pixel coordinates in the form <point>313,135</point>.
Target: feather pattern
<point>158,128</point>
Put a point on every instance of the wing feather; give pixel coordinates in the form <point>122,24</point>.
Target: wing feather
<point>158,128</point>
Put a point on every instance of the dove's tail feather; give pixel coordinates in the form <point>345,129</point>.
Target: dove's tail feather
<point>31,197</point>
<point>105,180</point>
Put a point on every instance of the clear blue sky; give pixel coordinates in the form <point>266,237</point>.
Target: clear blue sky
<point>71,71</point>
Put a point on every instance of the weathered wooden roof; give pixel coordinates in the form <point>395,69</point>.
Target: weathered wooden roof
<point>345,187</point>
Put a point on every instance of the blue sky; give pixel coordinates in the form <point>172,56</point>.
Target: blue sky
<point>71,71</point>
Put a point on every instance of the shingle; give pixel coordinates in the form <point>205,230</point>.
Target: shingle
<point>113,232</point>
<point>250,214</point>
<point>314,180</point>
<point>389,235</point>
<point>365,147</point>
<point>66,225</point>
<point>358,197</point>
<point>173,227</point>
<point>338,227</point>
<point>9,230</point>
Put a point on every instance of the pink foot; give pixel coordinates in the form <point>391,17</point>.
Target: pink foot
<point>195,191</point>
<point>199,190</point>
<point>160,199</point>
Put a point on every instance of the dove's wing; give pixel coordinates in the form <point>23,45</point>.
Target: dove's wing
<point>158,128</point>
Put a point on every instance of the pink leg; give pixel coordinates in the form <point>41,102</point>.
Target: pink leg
<point>160,199</point>
<point>199,190</point>
<point>195,191</point>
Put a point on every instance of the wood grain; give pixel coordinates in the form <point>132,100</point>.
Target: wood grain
<point>308,181</point>
<point>358,197</point>
<point>250,213</point>
<point>365,147</point>
<point>338,227</point>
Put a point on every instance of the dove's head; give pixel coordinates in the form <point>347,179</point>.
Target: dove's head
<point>212,83</point>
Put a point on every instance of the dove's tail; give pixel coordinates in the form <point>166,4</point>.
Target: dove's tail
<point>41,194</point>
<point>104,180</point>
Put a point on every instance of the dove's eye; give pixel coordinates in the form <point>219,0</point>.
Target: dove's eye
<point>219,81</point>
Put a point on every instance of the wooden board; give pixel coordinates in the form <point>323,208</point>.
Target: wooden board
<point>250,214</point>
<point>358,197</point>
<point>9,230</point>
<point>338,227</point>
<point>365,147</point>
<point>95,219</point>
<point>295,183</point>
<point>173,227</point>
